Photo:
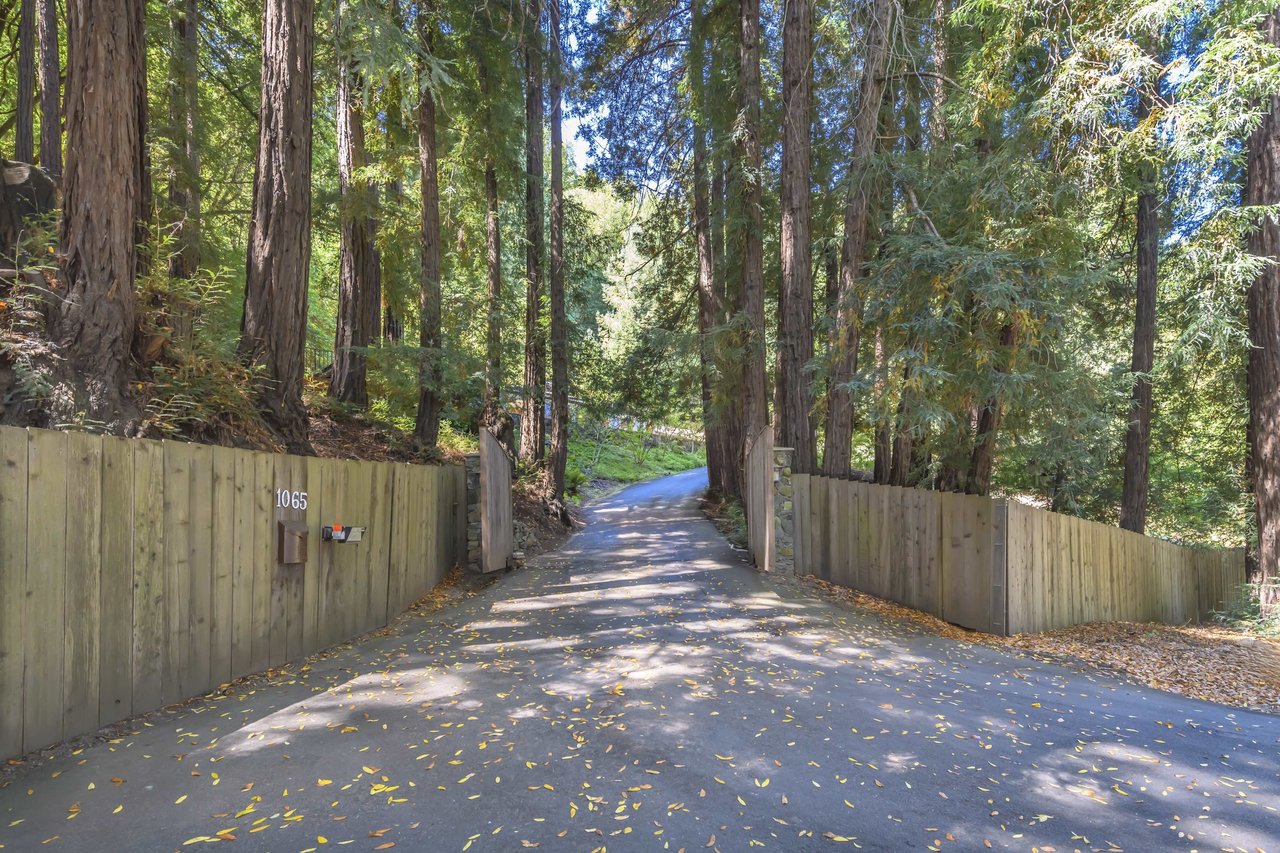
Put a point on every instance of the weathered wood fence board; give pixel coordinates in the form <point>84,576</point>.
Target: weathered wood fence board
<point>137,573</point>
<point>497,543</point>
<point>758,499</point>
<point>1000,566</point>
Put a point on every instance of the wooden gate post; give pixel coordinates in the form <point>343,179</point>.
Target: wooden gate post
<point>759,499</point>
<point>497,535</point>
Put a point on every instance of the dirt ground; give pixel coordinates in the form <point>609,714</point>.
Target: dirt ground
<point>1208,662</point>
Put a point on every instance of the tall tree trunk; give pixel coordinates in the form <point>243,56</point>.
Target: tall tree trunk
<point>795,296</point>
<point>493,259</point>
<point>1137,440</point>
<point>103,202</point>
<point>24,127</point>
<point>1264,333</point>
<point>709,306</point>
<point>532,425</point>
<point>50,71</point>
<point>359,286</point>
<point>883,426</point>
<point>728,445</point>
<point>837,450</point>
<point>393,188</point>
<point>755,394</point>
<point>427,428</point>
<point>559,323</point>
<point>273,332</point>
<point>184,180</point>
<point>982,460</point>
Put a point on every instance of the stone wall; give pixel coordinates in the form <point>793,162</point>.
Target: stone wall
<point>784,521</point>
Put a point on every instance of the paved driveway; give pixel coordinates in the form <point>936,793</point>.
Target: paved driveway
<point>643,689</point>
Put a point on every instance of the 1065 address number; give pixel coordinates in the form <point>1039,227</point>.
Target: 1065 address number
<point>286,499</point>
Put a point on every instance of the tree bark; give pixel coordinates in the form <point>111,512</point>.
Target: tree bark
<point>795,296</point>
<point>103,202</point>
<point>837,451</point>
<point>274,329</point>
<point>1137,441</point>
<point>755,395</point>
<point>532,424</point>
<point>709,306</point>
<point>1263,188</point>
<point>982,460</point>
<point>24,127</point>
<point>559,323</point>
<point>50,72</point>
<point>184,181</point>
<point>427,428</point>
<point>493,259</point>
<point>883,426</point>
<point>359,273</point>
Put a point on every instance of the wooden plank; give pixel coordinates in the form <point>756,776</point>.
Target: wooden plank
<point>264,561</point>
<point>379,539</point>
<point>819,541</point>
<point>149,638</point>
<point>966,537</point>
<point>931,550</point>
<point>358,489</point>
<point>200,541</point>
<point>837,508</point>
<point>223,566</point>
<point>430,509</point>
<point>800,523</point>
<point>278,612</point>
<point>115,643</point>
<point>496,530</point>
<point>13,585</point>
<point>82,602</point>
<point>291,470</point>
<point>396,564</point>
<point>177,576</point>
<point>311,634</point>
<point>44,624</point>
<point>244,565</point>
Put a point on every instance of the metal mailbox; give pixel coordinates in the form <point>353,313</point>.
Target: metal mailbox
<point>291,542</point>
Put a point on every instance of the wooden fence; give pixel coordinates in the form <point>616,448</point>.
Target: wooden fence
<point>135,574</point>
<point>758,498</point>
<point>497,529</point>
<point>999,566</point>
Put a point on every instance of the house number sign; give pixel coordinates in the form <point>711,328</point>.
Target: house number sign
<point>286,499</point>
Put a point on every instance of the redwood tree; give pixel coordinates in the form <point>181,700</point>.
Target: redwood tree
<point>24,127</point>
<point>755,402</point>
<point>710,303</point>
<point>1263,188</point>
<point>50,78</point>
<point>359,270</point>
<point>837,450</point>
<point>493,254</point>
<point>532,428</point>
<point>273,331</point>
<point>559,325</point>
<point>427,428</point>
<point>795,297</point>
<point>1137,440</point>
<point>103,202</point>
<point>184,183</point>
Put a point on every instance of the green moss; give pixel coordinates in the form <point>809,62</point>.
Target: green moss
<point>626,456</point>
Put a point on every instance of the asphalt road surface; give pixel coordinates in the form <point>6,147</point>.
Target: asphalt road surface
<point>644,689</point>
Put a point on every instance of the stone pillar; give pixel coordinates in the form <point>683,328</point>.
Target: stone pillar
<point>784,512</point>
<point>472,465</point>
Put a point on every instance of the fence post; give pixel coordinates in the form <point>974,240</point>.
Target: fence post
<point>472,466</point>
<point>784,511</point>
<point>1000,567</point>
